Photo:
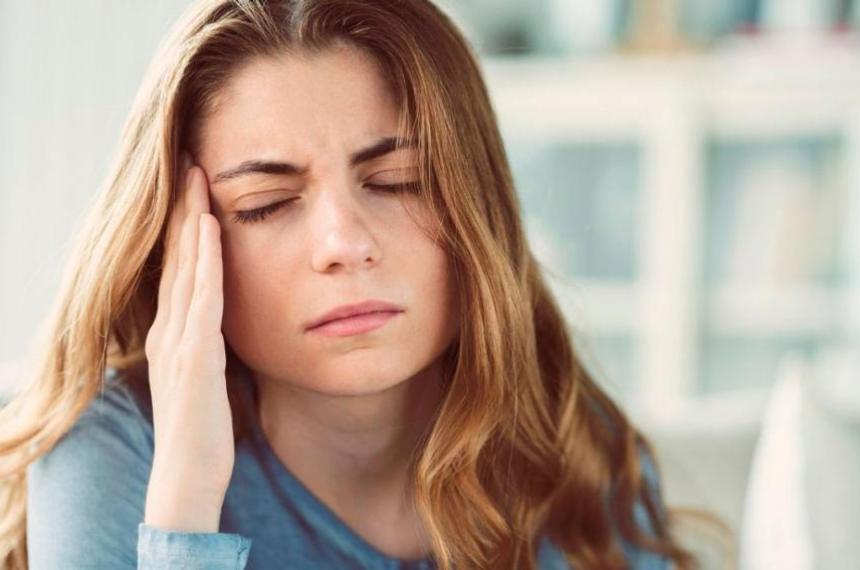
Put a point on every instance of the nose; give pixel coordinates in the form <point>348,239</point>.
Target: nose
<point>342,238</point>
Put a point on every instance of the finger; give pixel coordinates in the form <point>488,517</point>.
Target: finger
<point>169,257</point>
<point>187,257</point>
<point>207,303</point>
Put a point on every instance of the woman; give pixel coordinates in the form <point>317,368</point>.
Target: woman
<point>202,397</point>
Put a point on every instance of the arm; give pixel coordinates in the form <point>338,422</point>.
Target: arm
<point>86,497</point>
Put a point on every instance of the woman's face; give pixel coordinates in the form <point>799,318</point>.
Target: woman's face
<point>338,240</point>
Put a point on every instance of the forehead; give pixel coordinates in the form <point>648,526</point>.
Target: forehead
<point>337,97</point>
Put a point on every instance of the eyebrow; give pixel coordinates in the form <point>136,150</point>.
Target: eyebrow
<point>379,148</point>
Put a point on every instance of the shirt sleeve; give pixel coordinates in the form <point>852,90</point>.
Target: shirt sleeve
<point>157,548</point>
<point>86,500</point>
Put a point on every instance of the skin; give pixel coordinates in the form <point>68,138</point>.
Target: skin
<point>342,413</point>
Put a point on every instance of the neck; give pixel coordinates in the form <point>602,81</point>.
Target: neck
<point>351,451</point>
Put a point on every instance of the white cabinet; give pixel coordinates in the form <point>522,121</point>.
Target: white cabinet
<point>697,215</point>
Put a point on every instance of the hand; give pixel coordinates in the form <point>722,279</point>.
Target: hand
<point>194,451</point>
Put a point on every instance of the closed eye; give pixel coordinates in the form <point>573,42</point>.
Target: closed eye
<point>403,187</point>
<point>259,214</point>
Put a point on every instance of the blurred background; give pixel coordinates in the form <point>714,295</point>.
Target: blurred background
<point>689,172</point>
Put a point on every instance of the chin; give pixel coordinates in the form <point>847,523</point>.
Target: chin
<point>346,375</point>
<point>357,383</point>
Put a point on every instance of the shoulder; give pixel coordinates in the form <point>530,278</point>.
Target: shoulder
<point>638,557</point>
<point>112,426</point>
<point>86,495</point>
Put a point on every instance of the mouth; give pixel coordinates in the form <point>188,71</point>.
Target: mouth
<point>355,324</point>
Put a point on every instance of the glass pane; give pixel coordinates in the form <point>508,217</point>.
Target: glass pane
<point>772,266</point>
<point>732,362</point>
<point>580,205</point>
<point>773,210</point>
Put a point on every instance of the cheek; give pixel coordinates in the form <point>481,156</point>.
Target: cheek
<point>254,284</point>
<point>253,261</point>
<point>434,286</point>
<point>416,256</point>
<point>239,267</point>
<point>434,276</point>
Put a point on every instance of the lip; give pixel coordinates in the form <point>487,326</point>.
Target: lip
<point>353,310</point>
<point>357,324</point>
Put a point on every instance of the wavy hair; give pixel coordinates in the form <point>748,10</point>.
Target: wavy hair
<point>547,452</point>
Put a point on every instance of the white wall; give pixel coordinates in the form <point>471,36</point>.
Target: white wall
<point>68,72</point>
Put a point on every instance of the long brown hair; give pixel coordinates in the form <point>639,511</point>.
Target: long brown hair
<point>546,453</point>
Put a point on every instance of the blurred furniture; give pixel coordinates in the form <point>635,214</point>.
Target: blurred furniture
<point>698,217</point>
<point>802,510</point>
<point>718,275</point>
<point>704,448</point>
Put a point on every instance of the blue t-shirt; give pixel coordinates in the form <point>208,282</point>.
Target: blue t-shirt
<point>86,500</point>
